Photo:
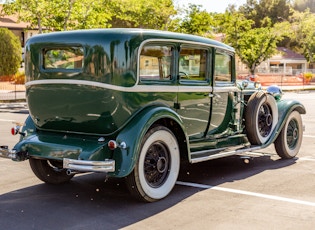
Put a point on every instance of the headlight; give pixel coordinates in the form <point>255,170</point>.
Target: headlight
<point>275,91</point>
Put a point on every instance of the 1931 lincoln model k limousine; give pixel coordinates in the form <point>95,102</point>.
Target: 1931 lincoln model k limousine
<point>136,103</point>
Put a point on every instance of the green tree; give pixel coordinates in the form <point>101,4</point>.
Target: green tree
<point>303,32</point>
<point>153,14</point>
<point>252,45</point>
<point>83,14</point>
<point>257,10</point>
<point>33,11</point>
<point>195,21</point>
<point>10,50</point>
<point>61,14</point>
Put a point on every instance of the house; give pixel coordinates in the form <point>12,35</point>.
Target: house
<point>19,28</point>
<point>286,62</point>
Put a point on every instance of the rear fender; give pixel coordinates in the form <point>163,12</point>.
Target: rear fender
<point>133,134</point>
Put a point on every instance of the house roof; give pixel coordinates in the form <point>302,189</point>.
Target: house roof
<point>11,21</point>
<point>286,53</point>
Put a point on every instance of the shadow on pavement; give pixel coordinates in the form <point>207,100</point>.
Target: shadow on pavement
<point>88,202</point>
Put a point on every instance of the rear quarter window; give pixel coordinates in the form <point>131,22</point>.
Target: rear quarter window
<point>70,58</point>
<point>156,63</point>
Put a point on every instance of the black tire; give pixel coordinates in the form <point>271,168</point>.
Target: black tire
<point>261,117</point>
<point>289,141</point>
<point>157,168</point>
<point>49,171</point>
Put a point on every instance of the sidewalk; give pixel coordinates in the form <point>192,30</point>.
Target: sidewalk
<point>295,88</point>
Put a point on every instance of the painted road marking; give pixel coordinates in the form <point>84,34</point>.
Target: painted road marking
<point>5,120</point>
<point>310,158</point>
<point>236,191</point>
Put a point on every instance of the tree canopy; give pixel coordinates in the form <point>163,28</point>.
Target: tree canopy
<point>254,29</point>
<point>252,45</point>
<point>153,14</point>
<point>258,10</point>
<point>303,33</point>
<point>71,14</point>
<point>61,14</point>
<point>195,21</point>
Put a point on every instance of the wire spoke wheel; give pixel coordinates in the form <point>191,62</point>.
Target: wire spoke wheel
<point>289,141</point>
<point>156,164</point>
<point>265,120</point>
<point>157,168</point>
<point>261,117</point>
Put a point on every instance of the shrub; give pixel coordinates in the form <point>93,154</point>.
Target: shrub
<point>308,76</point>
<point>10,53</point>
<point>19,78</point>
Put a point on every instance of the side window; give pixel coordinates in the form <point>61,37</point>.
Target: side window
<point>155,62</point>
<point>64,58</point>
<point>192,64</point>
<point>223,67</point>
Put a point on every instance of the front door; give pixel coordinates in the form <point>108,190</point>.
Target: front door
<point>222,95</point>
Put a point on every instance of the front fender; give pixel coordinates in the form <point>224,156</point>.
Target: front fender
<point>133,134</point>
<point>285,107</point>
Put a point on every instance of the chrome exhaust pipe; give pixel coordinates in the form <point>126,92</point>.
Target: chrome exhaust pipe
<point>70,172</point>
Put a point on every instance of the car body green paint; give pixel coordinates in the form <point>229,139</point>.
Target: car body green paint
<point>75,112</point>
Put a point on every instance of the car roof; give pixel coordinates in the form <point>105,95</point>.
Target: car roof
<point>132,33</point>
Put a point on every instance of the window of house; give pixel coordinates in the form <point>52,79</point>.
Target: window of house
<point>155,62</point>
<point>192,64</point>
<point>223,67</point>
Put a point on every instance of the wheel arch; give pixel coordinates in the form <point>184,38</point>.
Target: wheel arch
<point>138,127</point>
<point>285,107</point>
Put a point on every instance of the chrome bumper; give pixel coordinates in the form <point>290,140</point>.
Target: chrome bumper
<point>12,154</point>
<point>5,152</point>
<point>89,166</point>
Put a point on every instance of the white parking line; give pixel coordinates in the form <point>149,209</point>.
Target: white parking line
<point>311,136</point>
<point>5,120</point>
<point>306,159</point>
<point>278,198</point>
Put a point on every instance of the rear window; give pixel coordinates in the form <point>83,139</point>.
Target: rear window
<point>63,58</point>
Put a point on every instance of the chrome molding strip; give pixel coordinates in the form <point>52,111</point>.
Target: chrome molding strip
<point>136,88</point>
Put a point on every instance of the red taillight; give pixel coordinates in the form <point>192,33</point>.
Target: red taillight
<point>15,130</point>
<point>112,145</point>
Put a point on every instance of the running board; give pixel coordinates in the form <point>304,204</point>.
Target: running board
<point>206,155</point>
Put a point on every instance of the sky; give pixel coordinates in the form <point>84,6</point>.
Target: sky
<point>218,6</point>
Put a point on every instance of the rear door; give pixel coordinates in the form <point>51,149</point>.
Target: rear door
<point>194,89</point>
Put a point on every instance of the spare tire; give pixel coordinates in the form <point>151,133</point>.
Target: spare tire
<point>261,117</point>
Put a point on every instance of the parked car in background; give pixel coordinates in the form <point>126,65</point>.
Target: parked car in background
<point>136,103</point>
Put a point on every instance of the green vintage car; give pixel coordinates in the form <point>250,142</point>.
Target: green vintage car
<point>136,103</point>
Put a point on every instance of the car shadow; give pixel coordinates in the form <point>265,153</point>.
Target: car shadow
<point>91,201</point>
